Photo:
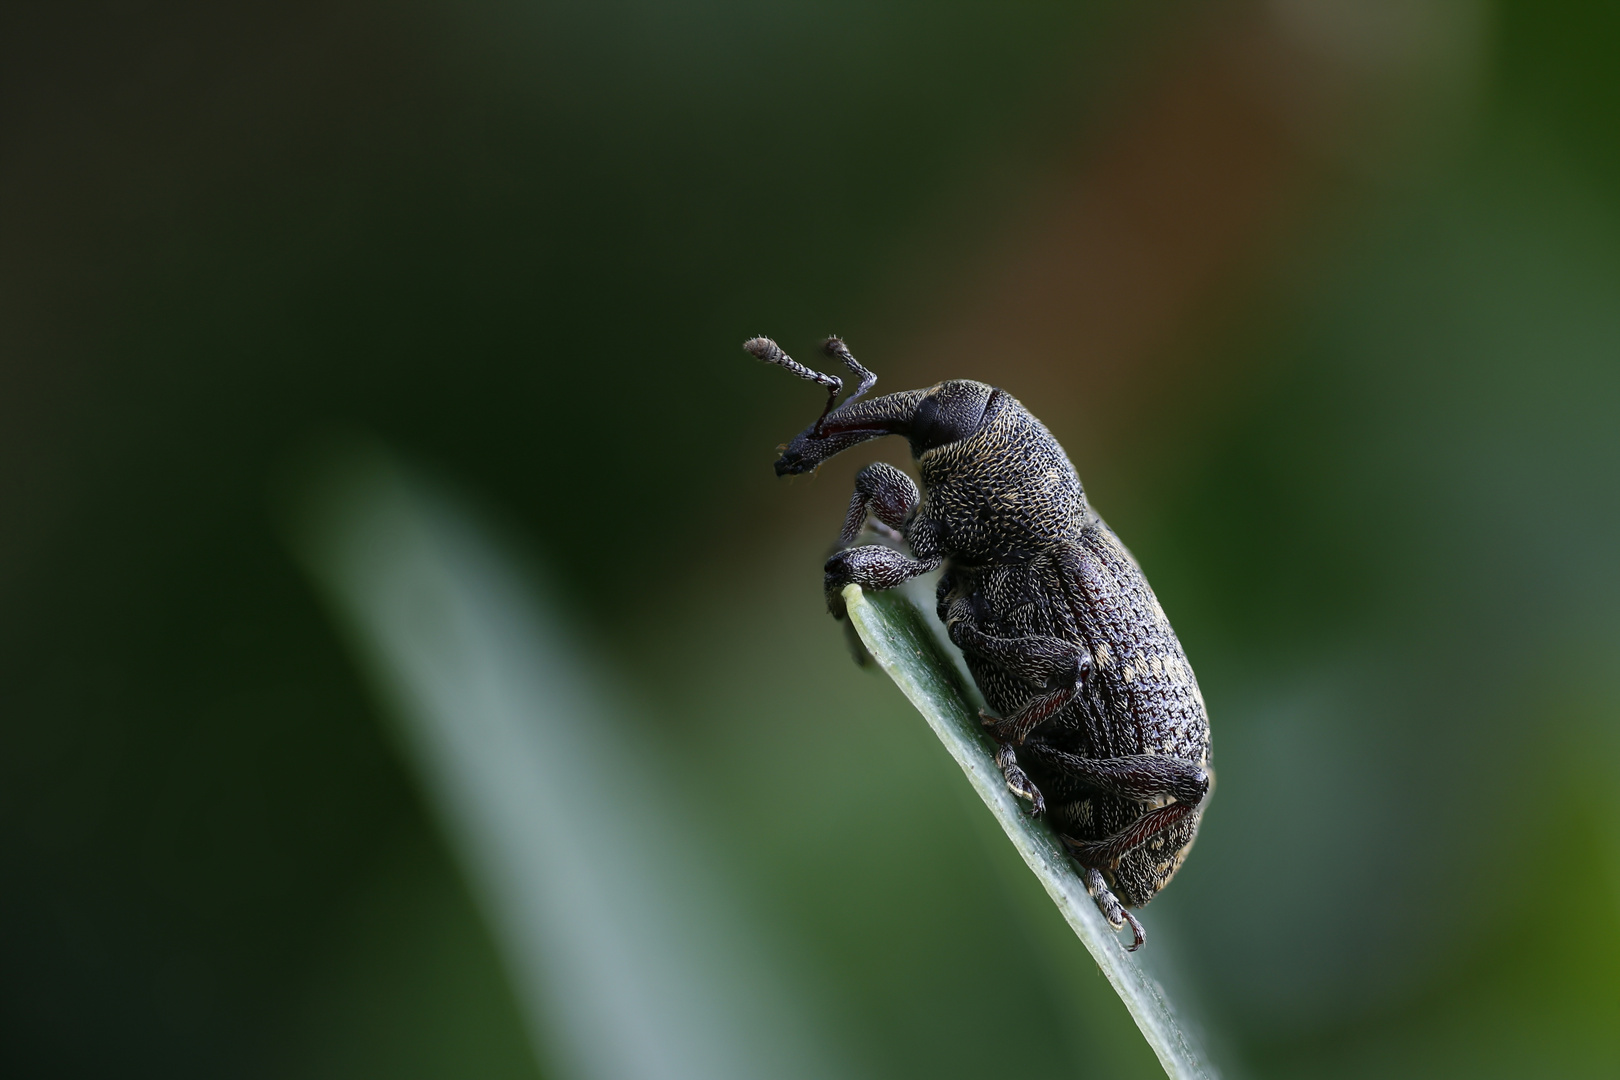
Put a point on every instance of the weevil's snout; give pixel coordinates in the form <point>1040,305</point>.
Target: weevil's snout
<point>808,449</point>
<point>795,459</point>
<point>792,463</point>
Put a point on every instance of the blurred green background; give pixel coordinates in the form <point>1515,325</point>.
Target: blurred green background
<point>1322,296</point>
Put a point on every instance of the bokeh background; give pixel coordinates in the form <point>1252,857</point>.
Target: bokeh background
<point>1322,296</point>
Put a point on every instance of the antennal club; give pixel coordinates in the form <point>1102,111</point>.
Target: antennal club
<point>834,346</point>
<point>769,351</point>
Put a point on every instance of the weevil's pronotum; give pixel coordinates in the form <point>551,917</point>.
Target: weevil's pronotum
<point>1101,725</point>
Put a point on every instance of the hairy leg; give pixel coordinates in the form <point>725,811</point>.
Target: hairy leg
<point>1107,853</point>
<point>1139,777</point>
<point>1018,781</point>
<point>871,566</point>
<point>1111,908</point>
<point>1136,777</point>
<point>881,491</point>
<point>1056,667</point>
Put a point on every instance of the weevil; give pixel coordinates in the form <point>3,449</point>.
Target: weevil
<point>1097,717</point>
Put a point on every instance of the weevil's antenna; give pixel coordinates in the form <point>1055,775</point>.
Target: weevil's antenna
<point>770,352</point>
<point>834,346</point>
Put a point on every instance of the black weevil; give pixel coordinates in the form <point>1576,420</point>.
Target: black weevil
<point>1101,724</point>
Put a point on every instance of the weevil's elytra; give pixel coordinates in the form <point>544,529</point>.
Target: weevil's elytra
<point>1100,723</point>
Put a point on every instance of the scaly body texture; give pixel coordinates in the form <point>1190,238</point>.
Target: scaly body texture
<point>1101,724</point>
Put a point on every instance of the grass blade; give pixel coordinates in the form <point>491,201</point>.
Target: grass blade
<point>899,636</point>
<point>628,952</point>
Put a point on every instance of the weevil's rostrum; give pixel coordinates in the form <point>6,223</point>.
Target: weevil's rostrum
<point>1099,722</point>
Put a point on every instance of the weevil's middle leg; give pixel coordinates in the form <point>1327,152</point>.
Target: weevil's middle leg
<point>1051,664</point>
<point>1093,855</point>
<point>1056,666</point>
<point>1015,729</point>
<point>1044,662</point>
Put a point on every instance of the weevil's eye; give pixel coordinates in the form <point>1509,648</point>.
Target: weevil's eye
<point>953,411</point>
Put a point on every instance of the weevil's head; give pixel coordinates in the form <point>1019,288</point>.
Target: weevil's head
<point>929,418</point>
<point>948,413</point>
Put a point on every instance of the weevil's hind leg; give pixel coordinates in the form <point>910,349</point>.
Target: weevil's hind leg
<point>1094,855</point>
<point>1108,852</point>
<point>1136,777</point>
<point>1112,909</point>
<point>884,492</point>
<point>1018,781</point>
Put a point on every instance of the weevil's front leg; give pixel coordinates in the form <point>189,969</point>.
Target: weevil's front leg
<point>890,496</point>
<point>871,566</point>
<point>884,492</point>
<point>1111,908</point>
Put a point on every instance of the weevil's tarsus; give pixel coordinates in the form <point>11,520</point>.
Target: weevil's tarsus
<point>834,346</point>
<point>1112,909</point>
<point>1137,933</point>
<point>1018,782</point>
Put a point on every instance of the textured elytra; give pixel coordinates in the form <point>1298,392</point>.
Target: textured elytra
<point>1030,557</point>
<point>1100,717</point>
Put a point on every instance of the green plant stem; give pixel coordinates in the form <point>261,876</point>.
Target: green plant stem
<point>899,637</point>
